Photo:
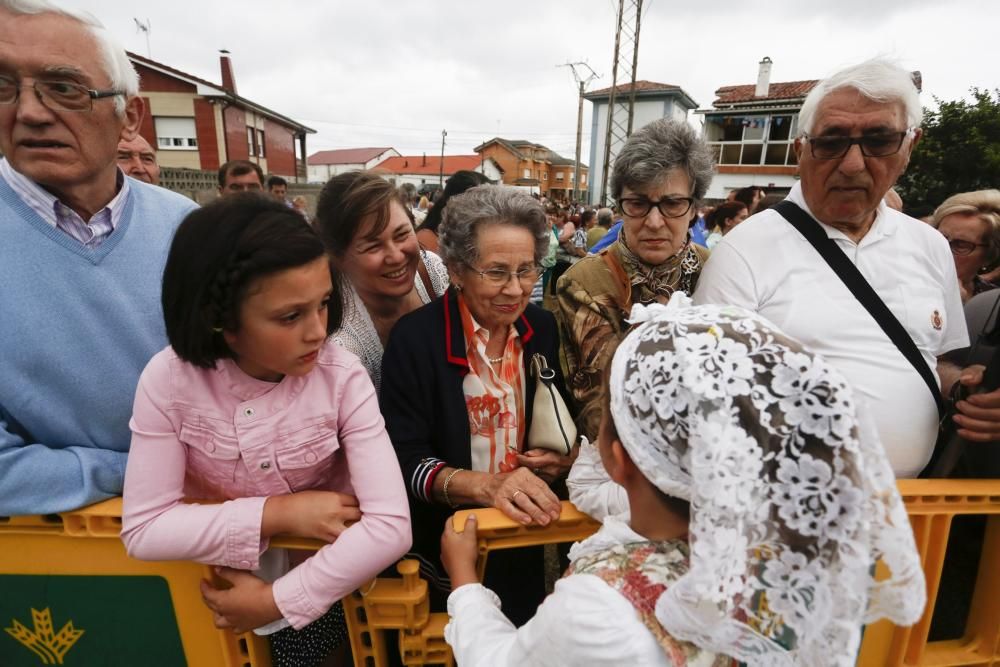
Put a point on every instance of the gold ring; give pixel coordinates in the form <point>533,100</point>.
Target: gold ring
<point>515,495</point>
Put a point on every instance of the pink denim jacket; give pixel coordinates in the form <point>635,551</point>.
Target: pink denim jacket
<point>220,434</point>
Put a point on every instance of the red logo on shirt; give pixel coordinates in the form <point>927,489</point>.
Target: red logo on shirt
<point>936,320</point>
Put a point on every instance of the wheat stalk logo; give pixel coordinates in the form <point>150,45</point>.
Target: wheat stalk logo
<point>41,641</point>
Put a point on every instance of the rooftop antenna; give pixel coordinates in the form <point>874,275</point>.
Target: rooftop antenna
<point>145,28</point>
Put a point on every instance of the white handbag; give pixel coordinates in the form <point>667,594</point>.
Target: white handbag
<point>552,426</point>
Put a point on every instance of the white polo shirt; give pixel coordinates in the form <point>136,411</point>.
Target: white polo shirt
<point>766,266</point>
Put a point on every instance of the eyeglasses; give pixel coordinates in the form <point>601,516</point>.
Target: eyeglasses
<point>881,144</point>
<point>56,95</point>
<point>669,207</point>
<point>963,248</point>
<point>500,277</point>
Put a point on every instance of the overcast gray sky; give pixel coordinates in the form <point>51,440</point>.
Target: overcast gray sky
<point>395,73</point>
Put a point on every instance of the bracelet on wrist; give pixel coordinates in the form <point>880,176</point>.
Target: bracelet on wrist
<point>447,481</point>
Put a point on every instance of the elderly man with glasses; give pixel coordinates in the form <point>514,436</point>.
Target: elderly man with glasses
<point>81,256</point>
<point>874,291</point>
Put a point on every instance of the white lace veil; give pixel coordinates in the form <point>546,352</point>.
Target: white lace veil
<point>792,497</point>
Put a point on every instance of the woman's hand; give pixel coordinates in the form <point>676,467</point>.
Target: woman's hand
<point>322,515</point>
<point>523,496</point>
<point>247,604</point>
<point>547,464</point>
<point>978,417</point>
<point>459,552</point>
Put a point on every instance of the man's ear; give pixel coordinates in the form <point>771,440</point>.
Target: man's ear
<point>797,147</point>
<point>135,109</point>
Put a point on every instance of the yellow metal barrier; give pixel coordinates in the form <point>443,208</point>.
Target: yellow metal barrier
<point>932,504</point>
<point>85,544</point>
<point>106,591</point>
<point>82,550</point>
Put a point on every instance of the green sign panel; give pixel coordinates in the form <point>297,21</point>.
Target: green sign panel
<point>83,621</point>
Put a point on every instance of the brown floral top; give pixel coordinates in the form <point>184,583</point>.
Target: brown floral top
<point>595,296</point>
<point>641,572</point>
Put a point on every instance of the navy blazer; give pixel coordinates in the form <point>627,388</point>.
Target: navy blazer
<point>423,403</point>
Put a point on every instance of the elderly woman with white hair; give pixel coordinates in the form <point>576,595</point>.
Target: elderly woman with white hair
<point>458,395</point>
<point>755,500</point>
<point>659,178</point>
<point>971,223</point>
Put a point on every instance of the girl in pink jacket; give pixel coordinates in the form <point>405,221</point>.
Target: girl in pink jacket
<point>252,406</point>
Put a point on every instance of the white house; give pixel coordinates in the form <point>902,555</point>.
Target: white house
<point>325,164</point>
<point>423,170</point>
<point>751,128</point>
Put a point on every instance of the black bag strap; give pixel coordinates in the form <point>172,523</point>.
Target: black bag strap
<point>862,291</point>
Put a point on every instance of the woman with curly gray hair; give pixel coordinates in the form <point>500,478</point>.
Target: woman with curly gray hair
<point>659,178</point>
<point>457,394</point>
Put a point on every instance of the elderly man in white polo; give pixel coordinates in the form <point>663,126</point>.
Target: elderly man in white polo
<point>857,130</point>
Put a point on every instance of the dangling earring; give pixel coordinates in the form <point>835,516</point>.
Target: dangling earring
<point>458,288</point>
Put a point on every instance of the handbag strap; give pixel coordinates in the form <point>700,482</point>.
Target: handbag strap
<point>538,364</point>
<point>862,291</point>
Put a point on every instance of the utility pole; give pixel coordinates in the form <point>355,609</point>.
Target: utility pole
<point>620,112</point>
<point>444,133</point>
<point>579,120</point>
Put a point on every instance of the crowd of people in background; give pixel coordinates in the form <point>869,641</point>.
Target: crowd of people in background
<point>359,374</point>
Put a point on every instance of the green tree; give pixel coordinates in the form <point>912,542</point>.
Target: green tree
<point>959,151</point>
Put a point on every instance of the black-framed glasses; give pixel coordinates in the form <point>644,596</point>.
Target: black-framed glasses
<point>878,144</point>
<point>56,95</point>
<point>669,207</point>
<point>964,248</point>
<point>500,277</point>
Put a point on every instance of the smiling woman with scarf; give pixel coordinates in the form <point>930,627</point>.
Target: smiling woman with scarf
<point>659,178</point>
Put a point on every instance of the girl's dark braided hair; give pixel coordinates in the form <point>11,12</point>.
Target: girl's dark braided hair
<point>218,253</point>
<point>220,296</point>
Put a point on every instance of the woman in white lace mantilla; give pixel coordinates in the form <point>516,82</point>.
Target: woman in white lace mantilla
<point>384,272</point>
<point>744,506</point>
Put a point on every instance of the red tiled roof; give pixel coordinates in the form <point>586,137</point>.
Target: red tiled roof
<point>346,156</point>
<point>431,165</point>
<point>640,87</point>
<point>783,90</point>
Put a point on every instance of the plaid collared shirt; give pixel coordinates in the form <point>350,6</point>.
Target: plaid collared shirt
<point>90,233</point>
